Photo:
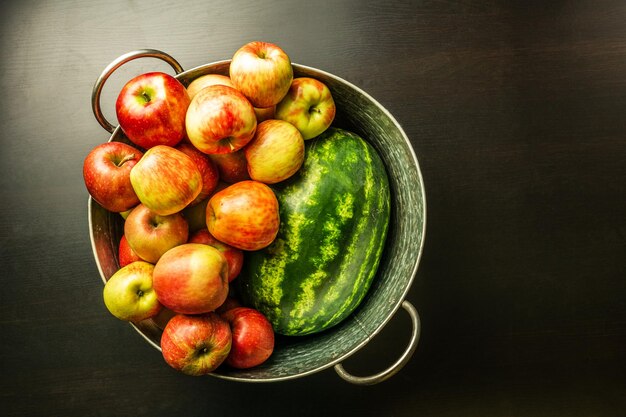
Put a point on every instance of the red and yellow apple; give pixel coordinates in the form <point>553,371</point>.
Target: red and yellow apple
<point>262,71</point>
<point>208,170</point>
<point>150,235</point>
<point>275,153</point>
<point>196,345</point>
<point>220,120</point>
<point>244,215</point>
<point>166,180</point>
<point>234,256</point>
<point>191,278</point>
<point>207,80</point>
<point>309,106</point>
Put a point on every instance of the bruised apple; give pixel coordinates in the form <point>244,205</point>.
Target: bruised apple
<point>244,215</point>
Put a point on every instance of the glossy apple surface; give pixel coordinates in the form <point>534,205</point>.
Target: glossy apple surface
<point>275,153</point>
<point>150,235</point>
<point>309,106</point>
<point>244,215</point>
<point>252,337</point>
<point>191,278</point>
<point>234,256</point>
<point>126,254</point>
<point>196,345</point>
<point>232,167</point>
<point>106,172</point>
<point>166,180</point>
<point>129,294</point>
<point>262,71</point>
<point>220,120</point>
<point>208,170</point>
<point>207,80</point>
<point>264,113</point>
<point>151,109</point>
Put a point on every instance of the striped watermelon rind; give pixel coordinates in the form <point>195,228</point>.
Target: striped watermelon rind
<point>334,220</point>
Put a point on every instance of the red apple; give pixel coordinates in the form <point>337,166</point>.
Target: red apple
<point>252,337</point>
<point>195,214</point>
<point>309,106</point>
<point>208,170</point>
<point>129,294</point>
<point>275,153</point>
<point>151,109</point>
<point>262,71</point>
<point>234,256</point>
<point>196,345</point>
<point>106,172</point>
<point>166,180</point>
<point>231,166</point>
<point>220,120</point>
<point>206,81</point>
<point>244,215</point>
<point>229,303</point>
<point>191,278</point>
<point>126,254</point>
<point>150,235</point>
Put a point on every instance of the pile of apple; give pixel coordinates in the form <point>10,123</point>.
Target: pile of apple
<point>191,183</point>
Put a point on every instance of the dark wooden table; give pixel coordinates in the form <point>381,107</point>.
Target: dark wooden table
<point>516,110</point>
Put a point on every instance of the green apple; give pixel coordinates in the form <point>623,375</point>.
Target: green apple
<point>308,105</point>
<point>129,295</point>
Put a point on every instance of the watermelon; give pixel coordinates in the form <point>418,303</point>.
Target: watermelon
<point>334,218</point>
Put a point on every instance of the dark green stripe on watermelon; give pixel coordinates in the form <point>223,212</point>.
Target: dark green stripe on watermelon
<point>334,219</point>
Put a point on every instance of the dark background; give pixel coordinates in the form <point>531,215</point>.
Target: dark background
<point>516,111</point>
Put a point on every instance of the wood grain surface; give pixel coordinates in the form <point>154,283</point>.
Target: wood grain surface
<point>515,110</point>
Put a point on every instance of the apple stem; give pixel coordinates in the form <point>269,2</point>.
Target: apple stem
<point>125,159</point>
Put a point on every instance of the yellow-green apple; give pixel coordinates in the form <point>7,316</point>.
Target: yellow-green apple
<point>129,294</point>
<point>231,166</point>
<point>220,120</point>
<point>106,172</point>
<point>309,106</point>
<point>207,80</point>
<point>150,235</point>
<point>262,71</point>
<point>252,337</point>
<point>126,254</point>
<point>196,345</point>
<point>191,278</point>
<point>234,256</point>
<point>275,153</point>
<point>208,170</point>
<point>151,109</point>
<point>166,180</point>
<point>244,215</point>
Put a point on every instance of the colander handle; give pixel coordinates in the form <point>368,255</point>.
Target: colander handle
<point>97,88</point>
<point>393,369</point>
